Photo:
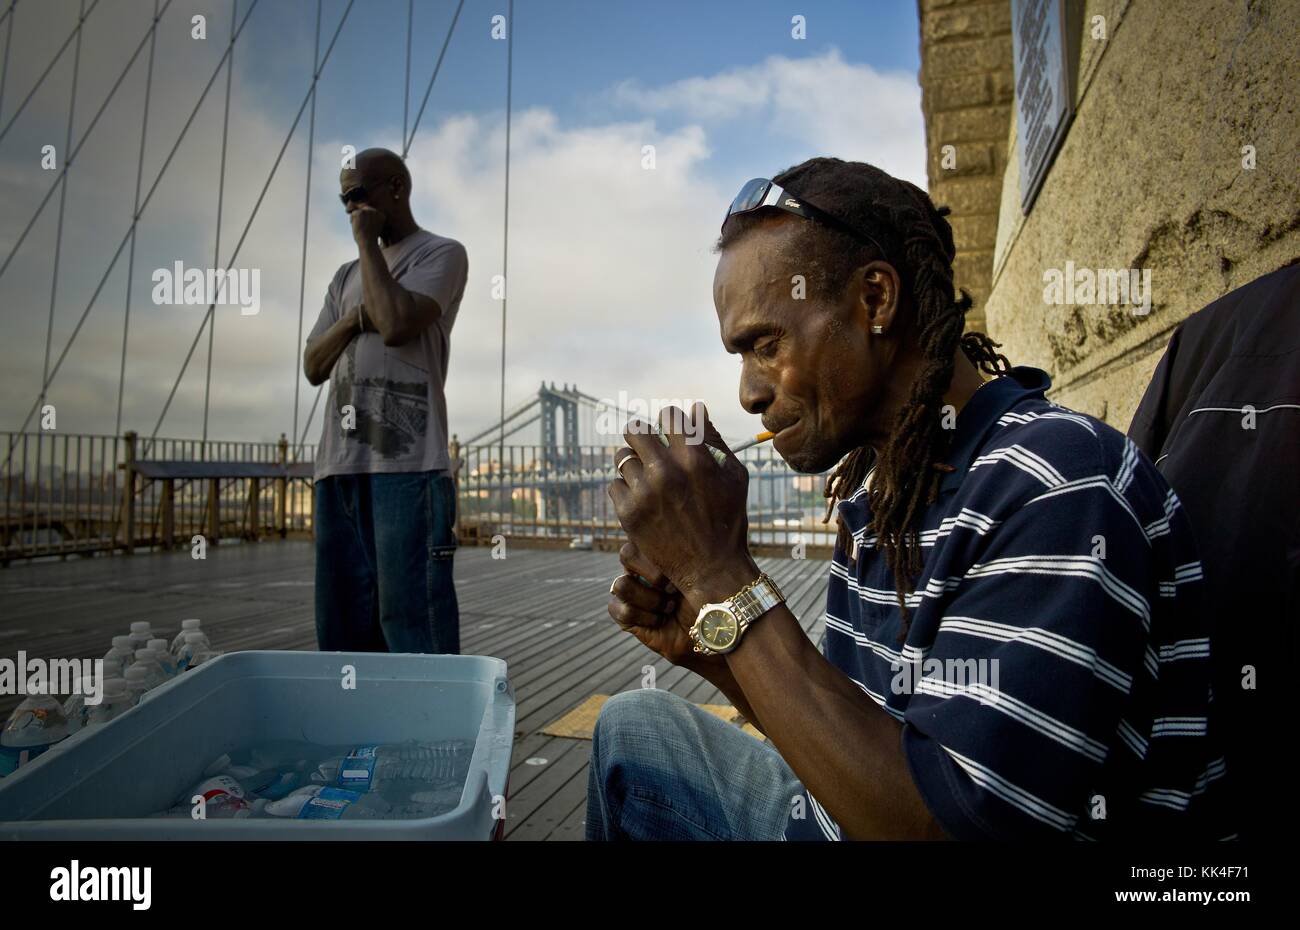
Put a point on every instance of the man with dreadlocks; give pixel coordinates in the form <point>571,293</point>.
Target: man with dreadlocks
<point>1013,648</point>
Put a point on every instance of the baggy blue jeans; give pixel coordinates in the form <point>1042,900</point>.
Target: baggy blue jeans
<point>384,551</point>
<point>664,769</point>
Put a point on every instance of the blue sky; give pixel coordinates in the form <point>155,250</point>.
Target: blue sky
<point>610,264</point>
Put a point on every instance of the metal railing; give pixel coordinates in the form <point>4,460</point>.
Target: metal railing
<point>78,494</point>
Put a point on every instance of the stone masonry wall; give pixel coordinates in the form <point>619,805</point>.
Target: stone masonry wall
<point>1150,176</point>
<point>966,98</point>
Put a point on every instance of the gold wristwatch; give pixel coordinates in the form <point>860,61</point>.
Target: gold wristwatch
<point>718,627</point>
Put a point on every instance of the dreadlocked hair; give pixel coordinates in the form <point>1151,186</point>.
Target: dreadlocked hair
<point>915,238</point>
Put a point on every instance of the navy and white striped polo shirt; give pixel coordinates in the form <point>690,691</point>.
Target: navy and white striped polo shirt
<point>1055,680</point>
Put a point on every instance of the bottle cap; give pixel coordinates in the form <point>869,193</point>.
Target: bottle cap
<point>189,624</point>
<point>140,626</point>
<point>136,673</point>
<point>122,642</point>
<point>157,644</point>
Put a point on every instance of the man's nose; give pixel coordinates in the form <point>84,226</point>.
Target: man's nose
<point>755,391</point>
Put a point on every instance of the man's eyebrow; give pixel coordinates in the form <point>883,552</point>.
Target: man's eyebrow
<point>743,336</point>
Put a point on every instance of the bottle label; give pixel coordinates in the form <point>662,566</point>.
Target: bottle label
<point>328,805</point>
<point>219,785</point>
<point>357,770</point>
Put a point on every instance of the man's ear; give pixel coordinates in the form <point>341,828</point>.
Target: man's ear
<point>878,294</point>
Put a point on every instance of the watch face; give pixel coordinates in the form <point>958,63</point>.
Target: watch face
<point>718,629</point>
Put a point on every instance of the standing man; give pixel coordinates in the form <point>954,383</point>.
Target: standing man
<point>385,499</point>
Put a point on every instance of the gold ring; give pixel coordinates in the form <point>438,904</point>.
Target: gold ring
<point>623,461</point>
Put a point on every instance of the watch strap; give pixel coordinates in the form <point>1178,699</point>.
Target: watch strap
<point>755,599</point>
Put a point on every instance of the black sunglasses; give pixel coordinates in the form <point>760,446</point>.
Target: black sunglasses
<point>760,192</point>
<point>359,192</point>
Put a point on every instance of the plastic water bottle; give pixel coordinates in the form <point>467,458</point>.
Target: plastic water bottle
<point>138,680</point>
<point>117,659</point>
<point>268,784</point>
<point>140,635</point>
<point>164,656</point>
<point>195,650</point>
<point>146,658</point>
<point>35,725</point>
<point>376,768</point>
<point>188,626</point>
<point>75,707</point>
<point>115,702</point>
<point>323,802</point>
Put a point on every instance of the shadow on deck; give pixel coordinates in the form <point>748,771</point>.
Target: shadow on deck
<point>542,611</point>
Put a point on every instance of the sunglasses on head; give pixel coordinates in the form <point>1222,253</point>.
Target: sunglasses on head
<point>761,192</point>
<point>359,192</point>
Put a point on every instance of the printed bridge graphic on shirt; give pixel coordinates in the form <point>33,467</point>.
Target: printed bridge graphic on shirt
<point>391,415</point>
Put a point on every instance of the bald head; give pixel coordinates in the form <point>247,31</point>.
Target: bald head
<point>383,164</point>
<point>380,180</point>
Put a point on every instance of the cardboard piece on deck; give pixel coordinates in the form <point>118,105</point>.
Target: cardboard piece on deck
<point>581,721</point>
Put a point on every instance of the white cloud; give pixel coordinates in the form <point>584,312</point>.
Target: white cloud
<point>830,106</point>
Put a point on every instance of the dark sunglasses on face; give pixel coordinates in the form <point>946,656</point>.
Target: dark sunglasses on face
<point>359,192</point>
<point>761,192</point>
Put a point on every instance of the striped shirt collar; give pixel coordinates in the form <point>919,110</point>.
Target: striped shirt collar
<point>981,414</point>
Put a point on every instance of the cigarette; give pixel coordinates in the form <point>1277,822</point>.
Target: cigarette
<point>718,455</point>
<point>761,437</point>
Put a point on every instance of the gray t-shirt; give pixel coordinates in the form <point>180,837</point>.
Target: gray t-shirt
<point>396,392</point>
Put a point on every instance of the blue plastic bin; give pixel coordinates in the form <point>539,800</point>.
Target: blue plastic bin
<point>103,783</point>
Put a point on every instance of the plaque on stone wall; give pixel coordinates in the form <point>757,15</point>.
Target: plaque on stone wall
<point>1043,104</point>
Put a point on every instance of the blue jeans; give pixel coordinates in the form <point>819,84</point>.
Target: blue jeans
<point>663,769</point>
<point>384,550</point>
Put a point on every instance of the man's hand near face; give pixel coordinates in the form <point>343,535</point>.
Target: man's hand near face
<point>686,513</point>
<point>367,223</point>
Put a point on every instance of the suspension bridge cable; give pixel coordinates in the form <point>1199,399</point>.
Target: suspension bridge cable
<point>76,330</point>
<point>505,226</point>
<point>67,161</point>
<point>406,143</point>
<point>248,225</point>
<point>302,440</point>
<point>63,199</point>
<point>135,210</point>
<point>406,87</point>
<point>517,412</point>
<point>306,210</point>
<point>9,37</point>
<point>58,236</point>
<point>221,195</point>
<point>48,68</point>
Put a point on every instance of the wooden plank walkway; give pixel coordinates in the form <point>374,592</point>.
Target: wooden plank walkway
<point>543,611</point>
